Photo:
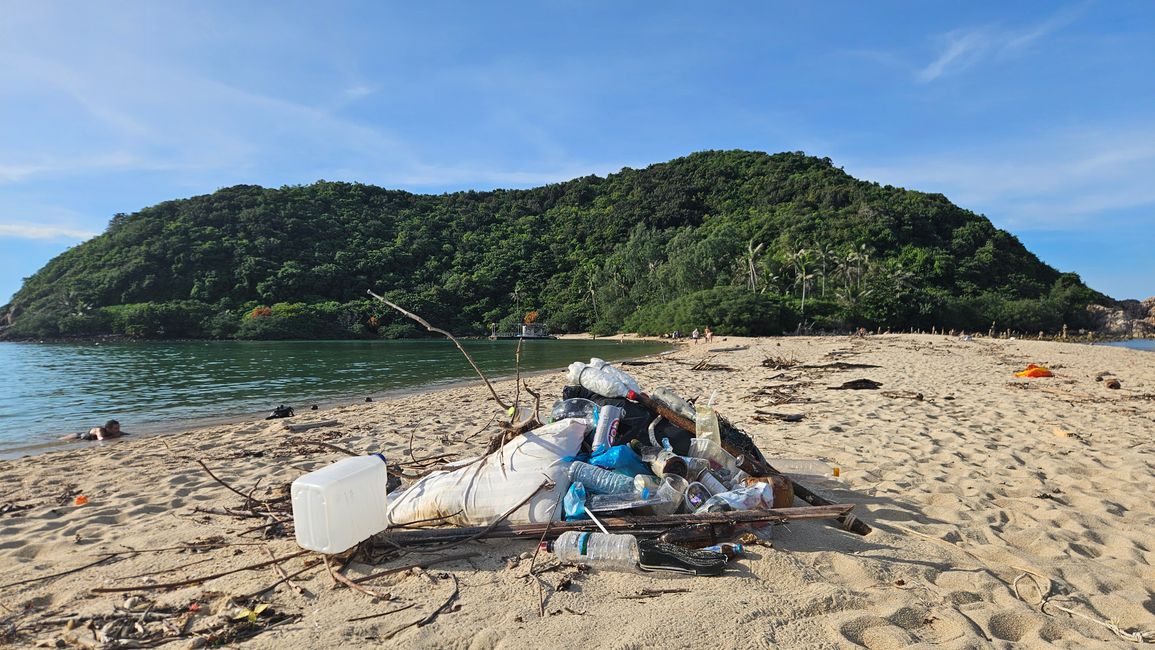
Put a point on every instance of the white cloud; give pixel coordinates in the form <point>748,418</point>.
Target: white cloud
<point>962,48</point>
<point>1057,181</point>
<point>43,232</point>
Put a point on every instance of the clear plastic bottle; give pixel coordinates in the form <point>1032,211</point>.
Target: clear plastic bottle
<point>706,422</point>
<point>596,379</point>
<point>759,496</point>
<point>806,467</point>
<point>599,550</point>
<point>598,480</point>
<point>673,401</point>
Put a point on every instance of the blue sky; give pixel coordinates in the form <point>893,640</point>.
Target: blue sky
<point>1039,115</point>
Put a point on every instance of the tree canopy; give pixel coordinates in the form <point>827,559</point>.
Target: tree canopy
<point>746,242</point>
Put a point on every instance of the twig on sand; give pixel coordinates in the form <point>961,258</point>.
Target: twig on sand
<point>432,615</point>
<point>281,572</point>
<point>654,593</point>
<point>62,573</point>
<point>195,581</point>
<point>231,488</point>
<point>425,323</point>
<point>337,577</point>
<point>326,445</point>
<point>380,614</point>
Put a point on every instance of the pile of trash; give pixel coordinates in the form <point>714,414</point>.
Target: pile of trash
<point>623,479</point>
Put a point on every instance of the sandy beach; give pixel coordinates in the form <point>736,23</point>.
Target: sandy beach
<point>999,505</point>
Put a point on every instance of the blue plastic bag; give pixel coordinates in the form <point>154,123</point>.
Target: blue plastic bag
<point>574,502</point>
<point>621,459</point>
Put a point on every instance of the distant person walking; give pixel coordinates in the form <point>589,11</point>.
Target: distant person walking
<point>695,335</point>
<point>709,335</point>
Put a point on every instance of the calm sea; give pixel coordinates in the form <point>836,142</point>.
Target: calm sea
<point>1136,344</point>
<point>51,389</point>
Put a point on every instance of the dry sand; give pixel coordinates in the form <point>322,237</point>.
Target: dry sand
<point>997,477</point>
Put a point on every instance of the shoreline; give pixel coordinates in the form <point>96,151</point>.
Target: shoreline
<point>965,472</point>
<point>176,427</point>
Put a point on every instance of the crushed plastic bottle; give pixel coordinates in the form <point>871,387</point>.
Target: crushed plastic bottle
<point>598,480</point>
<point>706,422</point>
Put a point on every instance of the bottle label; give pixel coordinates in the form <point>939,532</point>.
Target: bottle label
<point>584,543</point>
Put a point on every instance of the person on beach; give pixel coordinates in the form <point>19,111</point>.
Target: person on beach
<point>111,429</point>
<point>709,334</point>
<point>695,334</point>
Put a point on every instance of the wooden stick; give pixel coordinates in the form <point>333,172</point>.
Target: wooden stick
<point>325,444</point>
<point>500,402</point>
<point>62,573</point>
<point>640,525</point>
<point>424,564</point>
<point>305,426</point>
<point>231,488</point>
<point>194,581</point>
<point>337,577</point>
<point>380,614</point>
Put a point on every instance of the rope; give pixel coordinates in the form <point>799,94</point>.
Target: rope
<point>1043,600</point>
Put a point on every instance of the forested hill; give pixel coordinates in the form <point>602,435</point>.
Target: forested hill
<point>746,242</point>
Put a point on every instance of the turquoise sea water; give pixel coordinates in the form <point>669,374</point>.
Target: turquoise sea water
<point>1136,344</point>
<point>50,389</point>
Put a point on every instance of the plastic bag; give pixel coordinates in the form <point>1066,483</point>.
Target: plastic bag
<point>477,494</point>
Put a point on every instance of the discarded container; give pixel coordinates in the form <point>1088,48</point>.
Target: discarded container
<point>711,483</point>
<point>670,494</point>
<point>598,480</point>
<point>671,400</point>
<point>617,373</point>
<point>626,501</point>
<point>599,380</point>
<point>806,467</point>
<point>340,505</point>
<point>576,407</point>
<point>729,549</point>
<point>757,496</point>
<point>608,418</point>
<point>706,422</point>
<point>721,461</point>
<point>696,495</point>
<point>598,550</point>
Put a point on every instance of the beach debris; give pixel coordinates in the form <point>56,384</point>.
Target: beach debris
<point>857,384</point>
<point>732,348</point>
<point>779,363</point>
<point>80,500</point>
<point>767,416</point>
<point>839,365</point>
<point>1113,384</point>
<point>305,426</point>
<point>1035,371</point>
<point>281,411</point>
<point>907,394</point>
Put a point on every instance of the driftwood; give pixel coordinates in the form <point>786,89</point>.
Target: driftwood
<point>425,323</point>
<point>766,416</point>
<point>733,348</point>
<point>840,365</point>
<point>305,426</point>
<point>642,526</point>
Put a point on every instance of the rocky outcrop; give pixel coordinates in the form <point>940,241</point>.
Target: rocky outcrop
<point>1126,318</point>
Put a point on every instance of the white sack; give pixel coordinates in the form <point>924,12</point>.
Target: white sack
<point>481,493</point>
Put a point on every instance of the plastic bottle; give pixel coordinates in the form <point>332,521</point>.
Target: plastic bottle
<point>598,480</point>
<point>759,496</point>
<point>646,482</point>
<point>618,373</point>
<point>673,401</point>
<point>596,379</point>
<point>721,462</point>
<point>608,418</point>
<point>806,467</point>
<point>625,501</point>
<point>338,506</point>
<point>729,549</point>
<point>598,550</point>
<point>576,407</point>
<point>706,422</point>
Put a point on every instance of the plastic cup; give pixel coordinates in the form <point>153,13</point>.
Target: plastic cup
<point>577,407</point>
